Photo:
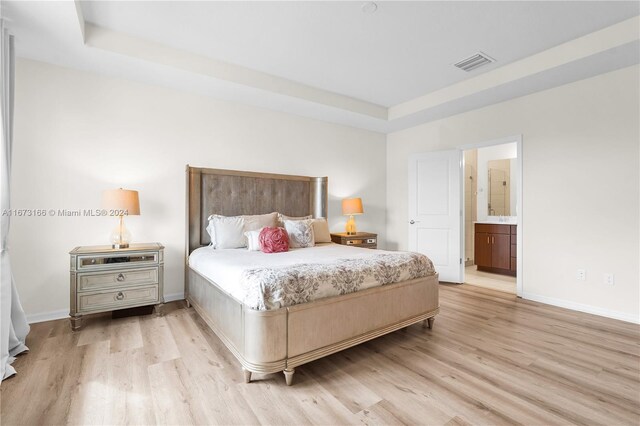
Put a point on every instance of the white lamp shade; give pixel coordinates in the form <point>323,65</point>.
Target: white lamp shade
<point>122,200</point>
<point>351,206</point>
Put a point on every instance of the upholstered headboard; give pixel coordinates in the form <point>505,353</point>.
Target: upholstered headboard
<point>232,193</point>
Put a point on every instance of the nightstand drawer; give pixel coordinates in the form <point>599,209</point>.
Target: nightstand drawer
<point>117,260</point>
<point>360,239</point>
<point>360,242</point>
<point>117,299</point>
<point>123,278</point>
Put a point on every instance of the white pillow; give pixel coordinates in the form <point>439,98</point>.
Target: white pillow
<point>251,223</point>
<point>253,240</point>
<point>300,233</point>
<point>259,221</point>
<point>211,230</point>
<point>229,231</point>
<point>321,232</point>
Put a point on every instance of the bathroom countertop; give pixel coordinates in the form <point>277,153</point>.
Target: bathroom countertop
<point>496,222</point>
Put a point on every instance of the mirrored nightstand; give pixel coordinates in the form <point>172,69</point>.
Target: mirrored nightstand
<point>106,279</point>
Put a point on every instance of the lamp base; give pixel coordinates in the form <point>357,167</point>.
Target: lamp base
<point>120,236</point>
<point>351,226</point>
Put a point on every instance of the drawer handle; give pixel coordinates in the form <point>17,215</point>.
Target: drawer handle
<point>350,242</point>
<point>120,296</point>
<point>120,277</point>
<point>371,241</point>
<point>93,261</point>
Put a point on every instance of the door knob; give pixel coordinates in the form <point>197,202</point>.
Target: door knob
<point>412,221</point>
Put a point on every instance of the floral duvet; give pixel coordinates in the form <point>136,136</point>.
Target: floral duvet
<point>277,287</point>
<point>265,281</point>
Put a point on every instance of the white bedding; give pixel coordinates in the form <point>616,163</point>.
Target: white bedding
<point>270,281</point>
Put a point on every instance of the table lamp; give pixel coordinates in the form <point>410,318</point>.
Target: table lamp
<point>351,207</point>
<point>121,202</point>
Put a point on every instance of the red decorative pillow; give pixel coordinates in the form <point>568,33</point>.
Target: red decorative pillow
<point>273,240</point>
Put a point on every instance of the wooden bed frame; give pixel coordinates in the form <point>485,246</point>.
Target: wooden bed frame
<point>279,340</point>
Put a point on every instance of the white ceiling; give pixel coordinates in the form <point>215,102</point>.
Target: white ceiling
<point>403,50</point>
<point>329,60</point>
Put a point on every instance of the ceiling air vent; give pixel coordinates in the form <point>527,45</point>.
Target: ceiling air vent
<point>474,61</point>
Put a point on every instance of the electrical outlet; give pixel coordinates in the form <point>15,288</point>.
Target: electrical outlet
<point>581,275</point>
<point>608,279</point>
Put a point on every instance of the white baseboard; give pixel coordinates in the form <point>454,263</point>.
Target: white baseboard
<point>64,313</point>
<point>623,316</point>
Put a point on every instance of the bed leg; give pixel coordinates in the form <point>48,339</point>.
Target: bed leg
<point>430,322</point>
<point>247,375</point>
<point>188,303</point>
<point>288,375</point>
<point>424,323</point>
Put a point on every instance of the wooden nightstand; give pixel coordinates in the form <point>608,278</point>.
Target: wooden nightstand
<point>106,279</point>
<point>361,239</point>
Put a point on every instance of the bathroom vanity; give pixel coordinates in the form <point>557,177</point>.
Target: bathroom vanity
<point>495,247</point>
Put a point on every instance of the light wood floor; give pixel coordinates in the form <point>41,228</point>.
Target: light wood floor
<point>488,280</point>
<point>490,359</point>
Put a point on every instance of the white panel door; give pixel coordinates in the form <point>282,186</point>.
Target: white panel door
<point>435,210</point>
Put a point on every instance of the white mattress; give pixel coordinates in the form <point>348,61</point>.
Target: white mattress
<point>225,267</point>
<point>246,275</point>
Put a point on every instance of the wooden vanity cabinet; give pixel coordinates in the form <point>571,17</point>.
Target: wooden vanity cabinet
<point>495,248</point>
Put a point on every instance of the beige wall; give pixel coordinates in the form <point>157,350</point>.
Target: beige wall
<point>580,181</point>
<point>78,133</point>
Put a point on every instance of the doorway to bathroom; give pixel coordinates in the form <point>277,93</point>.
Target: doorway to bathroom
<point>492,206</point>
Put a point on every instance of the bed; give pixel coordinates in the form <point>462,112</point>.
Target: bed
<point>270,335</point>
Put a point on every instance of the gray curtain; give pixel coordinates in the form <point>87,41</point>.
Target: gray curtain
<point>13,323</point>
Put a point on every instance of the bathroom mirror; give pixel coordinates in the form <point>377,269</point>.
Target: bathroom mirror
<point>500,193</point>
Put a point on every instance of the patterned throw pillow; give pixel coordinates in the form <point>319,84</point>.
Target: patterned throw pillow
<point>300,233</point>
<point>283,217</point>
<point>273,240</point>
